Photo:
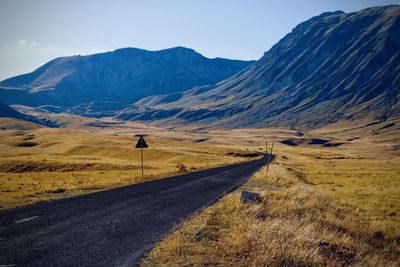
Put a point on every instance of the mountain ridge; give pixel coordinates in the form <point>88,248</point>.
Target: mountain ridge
<point>124,75</point>
<point>8,112</point>
<point>344,66</point>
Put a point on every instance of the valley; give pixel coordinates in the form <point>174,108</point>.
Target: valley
<point>325,97</point>
<point>41,164</point>
<point>337,203</point>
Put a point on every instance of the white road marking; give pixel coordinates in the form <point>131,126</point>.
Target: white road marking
<point>26,219</point>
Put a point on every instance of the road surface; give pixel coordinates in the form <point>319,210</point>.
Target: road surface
<point>114,227</point>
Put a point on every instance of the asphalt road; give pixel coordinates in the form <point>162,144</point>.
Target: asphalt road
<point>114,227</point>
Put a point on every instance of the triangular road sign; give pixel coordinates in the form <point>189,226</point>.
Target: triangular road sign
<point>141,143</point>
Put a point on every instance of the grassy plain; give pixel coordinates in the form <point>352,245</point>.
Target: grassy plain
<point>39,164</point>
<point>322,206</point>
<point>331,198</point>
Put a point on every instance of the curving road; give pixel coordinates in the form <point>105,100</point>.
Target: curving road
<point>114,227</point>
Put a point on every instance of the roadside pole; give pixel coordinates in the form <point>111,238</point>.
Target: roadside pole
<point>141,157</point>
<point>269,156</point>
<point>266,151</point>
<point>141,144</point>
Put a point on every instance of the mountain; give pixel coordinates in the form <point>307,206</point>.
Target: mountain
<point>335,66</point>
<point>8,112</point>
<point>103,83</point>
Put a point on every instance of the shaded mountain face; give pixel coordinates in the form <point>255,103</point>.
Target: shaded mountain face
<point>110,81</point>
<point>335,66</point>
<point>8,112</point>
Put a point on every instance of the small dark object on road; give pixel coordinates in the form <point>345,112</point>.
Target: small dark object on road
<point>250,197</point>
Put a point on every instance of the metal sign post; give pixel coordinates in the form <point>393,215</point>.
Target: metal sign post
<point>269,157</point>
<point>141,144</point>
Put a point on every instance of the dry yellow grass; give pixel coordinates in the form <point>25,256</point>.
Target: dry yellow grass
<point>334,206</point>
<point>42,164</point>
<point>369,184</point>
<point>9,123</point>
<point>295,225</point>
<point>322,205</point>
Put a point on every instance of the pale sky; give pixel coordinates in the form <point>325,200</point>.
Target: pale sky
<point>36,31</point>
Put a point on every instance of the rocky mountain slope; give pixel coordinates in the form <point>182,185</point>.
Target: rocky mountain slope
<point>335,66</point>
<point>102,83</point>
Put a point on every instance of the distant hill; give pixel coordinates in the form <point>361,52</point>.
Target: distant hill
<point>8,112</point>
<point>335,66</point>
<point>102,83</point>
